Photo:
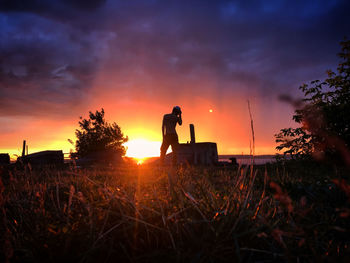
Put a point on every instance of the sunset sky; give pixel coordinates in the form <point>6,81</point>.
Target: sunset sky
<point>137,59</point>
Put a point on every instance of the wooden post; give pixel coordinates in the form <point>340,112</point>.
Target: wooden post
<point>193,137</point>
<point>24,148</point>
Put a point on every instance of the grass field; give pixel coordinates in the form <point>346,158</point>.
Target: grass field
<point>292,212</point>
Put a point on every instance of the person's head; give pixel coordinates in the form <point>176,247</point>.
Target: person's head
<point>176,110</point>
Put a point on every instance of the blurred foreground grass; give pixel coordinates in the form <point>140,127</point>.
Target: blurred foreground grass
<point>294,212</point>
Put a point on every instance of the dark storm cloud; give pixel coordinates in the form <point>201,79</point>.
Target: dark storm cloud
<point>236,41</point>
<point>46,66</point>
<point>53,49</point>
<point>54,7</point>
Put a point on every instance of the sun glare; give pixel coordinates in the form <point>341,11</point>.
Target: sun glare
<point>141,148</point>
<point>139,161</point>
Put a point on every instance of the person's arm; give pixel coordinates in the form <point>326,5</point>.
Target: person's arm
<point>179,119</point>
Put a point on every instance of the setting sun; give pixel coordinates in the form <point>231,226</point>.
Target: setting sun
<point>141,148</point>
<point>139,161</point>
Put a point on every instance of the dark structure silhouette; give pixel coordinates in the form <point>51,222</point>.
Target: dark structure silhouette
<point>4,159</point>
<point>43,158</point>
<point>233,161</point>
<point>193,137</point>
<point>202,153</point>
<point>40,158</point>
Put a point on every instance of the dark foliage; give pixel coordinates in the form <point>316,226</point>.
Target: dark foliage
<point>323,115</point>
<point>98,136</point>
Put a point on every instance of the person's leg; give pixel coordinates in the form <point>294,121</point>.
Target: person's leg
<point>172,173</point>
<point>163,149</point>
<point>174,148</point>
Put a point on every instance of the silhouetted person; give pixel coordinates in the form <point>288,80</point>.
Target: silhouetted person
<point>169,133</point>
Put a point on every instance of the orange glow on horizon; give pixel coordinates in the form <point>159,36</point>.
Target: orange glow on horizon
<point>140,119</point>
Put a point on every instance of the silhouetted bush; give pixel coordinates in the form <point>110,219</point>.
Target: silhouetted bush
<point>323,115</point>
<point>97,138</point>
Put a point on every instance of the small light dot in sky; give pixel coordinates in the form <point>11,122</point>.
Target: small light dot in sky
<point>210,110</point>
